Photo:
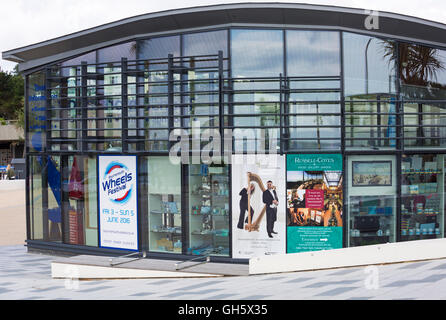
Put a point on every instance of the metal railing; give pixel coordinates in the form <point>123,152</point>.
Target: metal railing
<point>113,264</point>
<point>206,257</point>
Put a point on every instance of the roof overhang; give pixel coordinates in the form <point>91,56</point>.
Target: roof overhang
<point>242,14</point>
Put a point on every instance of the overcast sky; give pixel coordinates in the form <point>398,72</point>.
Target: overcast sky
<point>24,22</point>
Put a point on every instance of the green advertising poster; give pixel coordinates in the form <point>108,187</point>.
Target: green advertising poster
<point>314,162</point>
<point>301,239</point>
<point>314,202</point>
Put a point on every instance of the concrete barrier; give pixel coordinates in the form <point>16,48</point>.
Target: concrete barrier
<point>84,272</point>
<point>350,257</point>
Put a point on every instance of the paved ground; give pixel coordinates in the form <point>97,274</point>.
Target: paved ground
<point>12,212</point>
<point>28,276</point>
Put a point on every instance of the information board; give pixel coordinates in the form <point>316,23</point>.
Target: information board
<point>117,198</point>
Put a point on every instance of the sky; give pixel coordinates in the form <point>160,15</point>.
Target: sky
<point>25,22</point>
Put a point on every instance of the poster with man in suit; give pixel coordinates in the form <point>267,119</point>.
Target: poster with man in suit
<point>259,205</point>
<point>271,201</point>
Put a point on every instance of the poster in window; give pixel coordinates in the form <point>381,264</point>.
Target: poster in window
<point>118,216</point>
<point>258,205</point>
<point>371,173</point>
<point>314,202</point>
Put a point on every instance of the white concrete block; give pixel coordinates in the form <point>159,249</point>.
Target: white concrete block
<point>83,272</point>
<point>350,257</point>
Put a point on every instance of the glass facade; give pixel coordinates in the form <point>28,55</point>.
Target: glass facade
<point>209,209</point>
<point>79,190</point>
<point>422,196</point>
<point>376,103</point>
<point>372,193</point>
<point>164,205</point>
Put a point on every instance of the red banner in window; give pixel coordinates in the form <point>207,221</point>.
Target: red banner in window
<point>75,186</point>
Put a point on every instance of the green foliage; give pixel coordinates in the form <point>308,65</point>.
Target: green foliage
<point>12,95</point>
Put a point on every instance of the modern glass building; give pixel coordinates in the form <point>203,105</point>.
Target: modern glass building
<point>352,115</point>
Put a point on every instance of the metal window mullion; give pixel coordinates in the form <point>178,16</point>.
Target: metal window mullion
<point>170,90</point>
<point>124,104</point>
<point>281,80</point>
<point>345,216</point>
<point>221,102</point>
<point>47,110</point>
<point>84,106</point>
<point>45,220</point>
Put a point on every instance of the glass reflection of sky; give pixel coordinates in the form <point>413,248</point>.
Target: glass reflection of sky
<point>313,53</point>
<point>381,70</point>
<point>257,53</point>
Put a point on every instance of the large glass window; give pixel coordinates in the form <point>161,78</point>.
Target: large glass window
<point>45,198</point>
<point>209,209</point>
<point>313,67</point>
<point>313,53</point>
<point>200,100</point>
<point>252,58</point>
<point>371,200</point>
<point>36,104</point>
<point>35,198</point>
<point>154,92</point>
<point>164,205</point>
<point>67,100</point>
<point>205,43</point>
<point>422,195</point>
<point>422,72</point>
<point>315,126</point>
<point>369,66</point>
<point>159,48</point>
<point>80,201</point>
<point>371,125</point>
<point>424,125</point>
<point>256,100</point>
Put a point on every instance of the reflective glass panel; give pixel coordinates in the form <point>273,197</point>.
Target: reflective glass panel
<point>372,186</point>
<point>422,197</point>
<point>313,53</point>
<point>257,53</point>
<point>424,125</point>
<point>422,72</point>
<point>209,209</point>
<point>164,200</point>
<point>369,65</point>
<point>80,206</point>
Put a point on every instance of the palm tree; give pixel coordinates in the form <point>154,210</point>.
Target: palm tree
<point>418,66</point>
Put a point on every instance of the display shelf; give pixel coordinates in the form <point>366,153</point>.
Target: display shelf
<point>165,231</point>
<point>160,212</point>
<point>371,215</point>
<point>209,214</point>
<point>422,172</point>
<point>420,236</point>
<point>212,233</point>
<point>420,214</point>
<point>370,236</point>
